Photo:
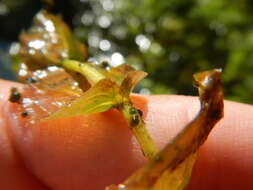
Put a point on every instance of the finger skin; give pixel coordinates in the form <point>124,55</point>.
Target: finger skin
<point>225,160</point>
<point>92,151</point>
<point>13,174</point>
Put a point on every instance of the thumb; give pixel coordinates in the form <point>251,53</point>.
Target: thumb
<point>92,151</point>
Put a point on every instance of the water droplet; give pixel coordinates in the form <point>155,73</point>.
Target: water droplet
<point>53,68</point>
<point>36,44</point>
<point>40,74</point>
<point>22,72</point>
<point>49,25</point>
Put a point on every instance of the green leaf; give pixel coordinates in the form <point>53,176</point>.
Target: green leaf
<point>86,69</point>
<point>101,97</point>
<point>105,92</point>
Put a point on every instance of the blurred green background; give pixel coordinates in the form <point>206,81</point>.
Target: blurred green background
<point>170,39</point>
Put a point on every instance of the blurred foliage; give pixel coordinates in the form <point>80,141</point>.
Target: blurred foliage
<point>4,66</point>
<point>169,39</point>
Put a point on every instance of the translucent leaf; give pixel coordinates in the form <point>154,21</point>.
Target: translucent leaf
<point>48,41</point>
<point>101,97</point>
<point>176,160</point>
<point>104,95</point>
<point>116,74</point>
<point>54,80</point>
<point>47,91</point>
<point>119,73</point>
<point>178,178</point>
<point>131,80</point>
<point>85,69</point>
<point>124,76</point>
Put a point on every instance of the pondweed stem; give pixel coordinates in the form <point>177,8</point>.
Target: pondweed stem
<point>90,73</point>
<point>139,130</point>
<point>131,114</point>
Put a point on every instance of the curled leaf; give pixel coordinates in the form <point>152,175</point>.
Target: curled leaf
<point>130,81</point>
<point>119,73</point>
<point>176,160</point>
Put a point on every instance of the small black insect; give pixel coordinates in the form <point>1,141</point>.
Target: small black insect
<point>15,95</point>
<point>135,120</point>
<point>30,80</point>
<point>140,112</point>
<point>24,114</point>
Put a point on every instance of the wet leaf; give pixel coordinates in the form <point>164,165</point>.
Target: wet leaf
<point>55,80</point>
<point>119,73</point>
<point>85,69</point>
<point>130,81</point>
<point>124,78</point>
<point>49,41</point>
<point>101,97</point>
<point>176,160</point>
<point>104,95</point>
<point>124,75</point>
<point>47,91</point>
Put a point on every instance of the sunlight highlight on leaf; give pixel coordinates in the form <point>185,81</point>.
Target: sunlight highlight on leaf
<point>101,97</point>
<point>48,41</point>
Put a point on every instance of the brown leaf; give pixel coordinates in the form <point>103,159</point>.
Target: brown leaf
<point>48,42</point>
<point>186,143</point>
<point>47,91</point>
<point>119,73</point>
<point>130,81</point>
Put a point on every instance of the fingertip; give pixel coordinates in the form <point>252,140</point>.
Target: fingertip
<point>13,174</point>
<point>225,160</point>
<point>76,152</point>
